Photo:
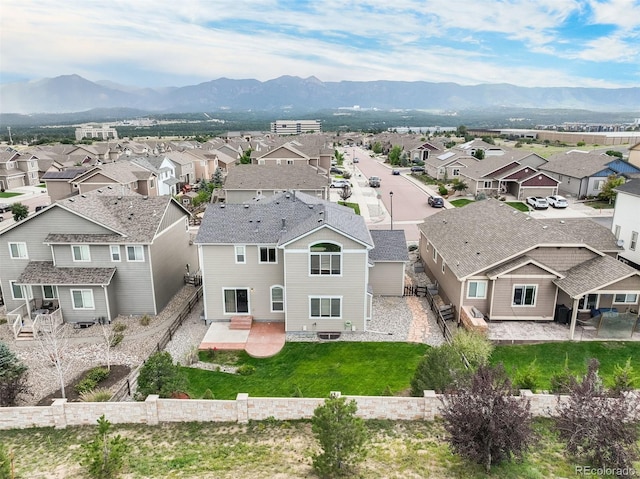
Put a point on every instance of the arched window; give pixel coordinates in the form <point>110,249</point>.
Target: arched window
<point>277,299</point>
<point>325,259</point>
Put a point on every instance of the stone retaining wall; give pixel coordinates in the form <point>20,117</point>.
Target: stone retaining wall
<point>243,409</point>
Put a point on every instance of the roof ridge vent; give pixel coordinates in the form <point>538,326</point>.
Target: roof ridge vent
<point>245,206</point>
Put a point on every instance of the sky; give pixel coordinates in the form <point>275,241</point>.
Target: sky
<point>159,43</point>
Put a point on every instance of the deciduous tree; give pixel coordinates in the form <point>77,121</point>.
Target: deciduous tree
<point>19,211</point>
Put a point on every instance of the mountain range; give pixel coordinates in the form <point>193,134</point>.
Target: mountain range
<point>72,93</point>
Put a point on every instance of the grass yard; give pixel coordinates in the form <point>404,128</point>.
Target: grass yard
<point>272,449</point>
<point>314,370</point>
<point>42,185</point>
<point>461,202</point>
<point>550,357</point>
<point>600,205</point>
<point>519,205</point>
<point>354,206</point>
<point>7,194</point>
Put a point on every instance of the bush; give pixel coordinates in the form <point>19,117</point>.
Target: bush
<point>208,394</point>
<point>346,175</point>
<point>13,377</point>
<point>443,190</point>
<point>622,379</point>
<point>158,375</point>
<point>85,385</point>
<point>438,370</point>
<point>96,395</point>
<point>246,370</point>
<point>561,381</point>
<point>145,320</point>
<point>97,374</point>
<point>475,347</point>
<point>485,422</point>
<point>116,339</point>
<point>119,327</point>
<point>6,460</point>
<point>529,376</point>
<point>342,437</point>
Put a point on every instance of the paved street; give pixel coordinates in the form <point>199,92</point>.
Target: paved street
<point>30,196</point>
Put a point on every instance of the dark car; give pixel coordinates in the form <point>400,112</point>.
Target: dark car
<point>395,172</point>
<point>4,207</point>
<point>436,201</point>
<point>374,182</point>
<point>41,207</point>
<point>336,171</point>
<point>417,169</point>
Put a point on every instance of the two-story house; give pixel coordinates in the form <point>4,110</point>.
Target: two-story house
<point>124,175</point>
<point>97,255</point>
<point>296,259</point>
<point>17,170</point>
<point>163,169</point>
<point>626,222</point>
<point>510,266</point>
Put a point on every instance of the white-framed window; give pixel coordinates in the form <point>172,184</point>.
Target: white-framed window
<point>524,295</point>
<point>82,299</point>
<point>80,253</point>
<point>152,183</point>
<point>277,299</point>
<point>325,307</point>
<point>325,259</point>
<point>135,253</point>
<point>598,184</point>
<point>487,184</point>
<point>477,290</point>
<point>591,302</point>
<point>261,161</point>
<point>49,291</point>
<point>16,290</point>
<point>115,252</point>
<point>435,255</point>
<point>634,241</point>
<point>241,254</point>
<point>617,232</point>
<point>455,172</point>
<point>268,254</point>
<point>18,250</point>
<point>625,298</point>
<point>291,162</point>
<point>236,300</point>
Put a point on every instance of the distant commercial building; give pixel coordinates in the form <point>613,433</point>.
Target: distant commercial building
<point>96,132</point>
<point>295,127</point>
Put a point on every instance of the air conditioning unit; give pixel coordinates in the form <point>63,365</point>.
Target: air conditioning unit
<point>620,242</point>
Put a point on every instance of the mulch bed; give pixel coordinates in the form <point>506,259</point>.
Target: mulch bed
<point>118,373</point>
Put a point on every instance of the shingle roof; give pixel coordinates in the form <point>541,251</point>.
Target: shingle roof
<point>585,230</point>
<point>263,222</point>
<point>485,233</point>
<point>278,177</point>
<point>577,164</point>
<point>61,238</point>
<point>594,274</point>
<point>44,272</point>
<point>389,245</point>
<point>632,187</point>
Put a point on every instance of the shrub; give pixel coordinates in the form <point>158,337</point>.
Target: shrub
<point>561,381</point>
<point>622,379</point>
<point>443,190</point>
<point>246,370</point>
<point>438,370</point>
<point>116,339</point>
<point>96,395</point>
<point>346,175</point>
<point>475,347</point>
<point>208,394</point>
<point>145,320</point>
<point>342,437</point>
<point>97,374</point>
<point>119,327</point>
<point>597,428</point>
<point>6,461</point>
<point>158,375</point>
<point>13,377</point>
<point>85,385</point>
<point>485,422</point>
<point>529,376</point>
<point>480,196</point>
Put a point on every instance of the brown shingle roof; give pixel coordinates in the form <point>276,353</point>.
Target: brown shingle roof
<point>279,177</point>
<point>44,272</point>
<point>594,274</point>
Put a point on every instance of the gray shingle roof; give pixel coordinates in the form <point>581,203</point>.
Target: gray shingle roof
<point>585,230</point>
<point>389,246</point>
<point>278,177</point>
<point>577,164</point>
<point>632,187</point>
<point>44,272</point>
<point>59,238</point>
<point>594,274</point>
<point>262,222</point>
<point>485,233</point>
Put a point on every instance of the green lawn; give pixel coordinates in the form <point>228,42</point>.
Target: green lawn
<point>42,185</point>
<point>461,202</point>
<point>600,205</point>
<point>316,369</point>
<point>7,194</point>
<point>354,206</point>
<point>550,357</point>
<point>519,205</point>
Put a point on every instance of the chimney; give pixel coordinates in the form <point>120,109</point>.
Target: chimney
<point>284,223</point>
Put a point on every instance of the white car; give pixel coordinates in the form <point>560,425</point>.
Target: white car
<point>557,201</point>
<point>339,183</point>
<point>537,202</point>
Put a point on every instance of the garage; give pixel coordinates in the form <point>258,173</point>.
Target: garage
<point>387,262</point>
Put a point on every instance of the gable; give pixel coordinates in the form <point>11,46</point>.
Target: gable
<point>540,179</point>
<point>322,234</point>
<point>503,169</point>
<point>283,152</point>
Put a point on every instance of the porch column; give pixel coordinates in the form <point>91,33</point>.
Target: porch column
<point>574,317</point>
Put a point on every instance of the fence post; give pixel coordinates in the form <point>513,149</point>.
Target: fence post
<point>151,404</point>
<point>59,414</point>
<point>242,405</point>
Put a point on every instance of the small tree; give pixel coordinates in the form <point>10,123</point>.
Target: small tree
<point>438,370</point>
<point>13,377</point>
<point>54,345</point>
<point>601,429</point>
<point>104,456</point>
<point>474,346</point>
<point>160,376</point>
<point>217,178</point>
<point>245,159</point>
<point>607,192</point>
<point>345,193</point>
<point>394,155</point>
<point>459,185</point>
<point>19,211</point>
<point>485,422</point>
<point>342,437</point>
<point>479,154</point>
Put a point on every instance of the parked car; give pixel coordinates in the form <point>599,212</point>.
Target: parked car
<point>557,201</point>
<point>395,172</point>
<point>355,160</point>
<point>417,169</point>
<point>374,181</point>
<point>1,218</point>
<point>339,183</point>
<point>4,207</point>
<point>41,207</point>
<point>436,201</point>
<point>537,202</point>
<point>336,170</point>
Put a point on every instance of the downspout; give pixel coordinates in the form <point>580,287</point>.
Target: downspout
<point>106,297</point>
<point>574,317</point>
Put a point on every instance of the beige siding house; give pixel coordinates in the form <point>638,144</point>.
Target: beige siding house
<point>509,266</point>
<point>96,256</point>
<point>297,259</point>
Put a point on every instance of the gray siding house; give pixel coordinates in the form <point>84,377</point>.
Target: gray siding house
<point>509,266</point>
<point>96,256</point>
<point>295,259</point>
